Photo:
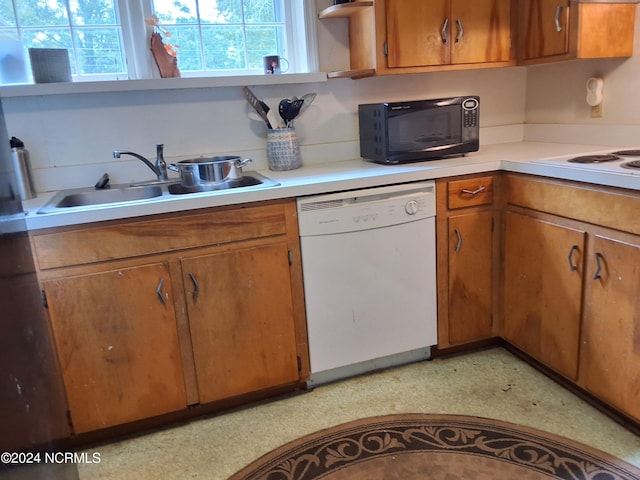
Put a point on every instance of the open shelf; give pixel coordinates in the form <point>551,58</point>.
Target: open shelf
<point>360,25</point>
<point>353,74</point>
<point>344,9</point>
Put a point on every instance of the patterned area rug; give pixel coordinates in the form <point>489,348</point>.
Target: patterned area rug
<point>435,447</point>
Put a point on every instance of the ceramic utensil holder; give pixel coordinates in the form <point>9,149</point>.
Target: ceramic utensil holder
<point>283,150</point>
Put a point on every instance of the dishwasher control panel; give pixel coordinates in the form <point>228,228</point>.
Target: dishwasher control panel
<point>366,209</point>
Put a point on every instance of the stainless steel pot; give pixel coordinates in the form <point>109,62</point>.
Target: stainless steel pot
<point>209,170</point>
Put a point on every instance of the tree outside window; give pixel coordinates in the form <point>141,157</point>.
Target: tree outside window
<point>212,36</point>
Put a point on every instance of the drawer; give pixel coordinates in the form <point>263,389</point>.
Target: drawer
<point>469,192</point>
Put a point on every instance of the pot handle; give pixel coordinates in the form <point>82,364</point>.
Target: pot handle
<point>173,167</point>
<point>243,162</point>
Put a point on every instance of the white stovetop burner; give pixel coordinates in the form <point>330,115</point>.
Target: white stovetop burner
<point>626,162</point>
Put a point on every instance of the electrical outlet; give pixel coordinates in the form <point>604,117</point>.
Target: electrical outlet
<point>596,111</point>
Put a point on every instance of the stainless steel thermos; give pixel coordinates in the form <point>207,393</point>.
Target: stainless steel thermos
<point>22,167</point>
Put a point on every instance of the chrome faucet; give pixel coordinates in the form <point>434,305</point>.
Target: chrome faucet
<point>160,168</point>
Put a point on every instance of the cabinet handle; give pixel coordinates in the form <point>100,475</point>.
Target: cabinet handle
<point>459,244</point>
<point>599,260</point>
<point>572,266</point>
<point>159,292</point>
<point>196,286</point>
<point>557,18</point>
<point>460,31</point>
<point>445,38</point>
<point>478,190</point>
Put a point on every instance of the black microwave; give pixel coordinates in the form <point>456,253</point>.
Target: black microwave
<point>418,130</point>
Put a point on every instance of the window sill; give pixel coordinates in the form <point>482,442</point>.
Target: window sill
<point>157,84</point>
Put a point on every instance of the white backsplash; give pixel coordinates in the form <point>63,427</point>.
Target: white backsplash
<point>71,137</point>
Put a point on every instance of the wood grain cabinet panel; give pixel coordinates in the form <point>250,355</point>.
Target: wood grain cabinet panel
<point>467,251</point>
<point>470,192</point>
<point>570,278</point>
<point>217,314</point>
<point>542,290</point>
<point>447,32</point>
<point>552,30</point>
<point>470,272</point>
<point>610,360</point>
<point>544,28</point>
<point>414,33</point>
<point>242,321</point>
<point>117,345</point>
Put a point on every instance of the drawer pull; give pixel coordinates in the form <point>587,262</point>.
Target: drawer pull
<point>159,292</point>
<point>196,286</point>
<point>459,244</point>
<point>599,260</point>
<point>572,266</point>
<point>478,190</point>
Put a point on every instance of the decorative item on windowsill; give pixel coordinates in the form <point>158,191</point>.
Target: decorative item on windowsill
<point>283,149</point>
<point>164,53</point>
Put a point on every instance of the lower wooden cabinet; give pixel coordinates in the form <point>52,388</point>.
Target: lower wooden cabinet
<point>542,290</point>
<point>570,279</point>
<point>117,345</point>
<point>467,244</point>
<point>241,317</point>
<point>610,356</point>
<point>470,277</point>
<point>153,315</point>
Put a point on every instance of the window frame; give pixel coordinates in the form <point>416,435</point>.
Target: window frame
<point>135,34</point>
<point>300,37</point>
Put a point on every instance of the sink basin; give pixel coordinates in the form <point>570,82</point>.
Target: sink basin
<point>246,181</point>
<point>90,197</point>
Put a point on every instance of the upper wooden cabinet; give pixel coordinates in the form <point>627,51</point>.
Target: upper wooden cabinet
<point>412,36</point>
<point>552,30</point>
<point>409,36</point>
<point>443,32</point>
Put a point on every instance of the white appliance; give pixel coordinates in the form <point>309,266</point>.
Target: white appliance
<point>369,266</point>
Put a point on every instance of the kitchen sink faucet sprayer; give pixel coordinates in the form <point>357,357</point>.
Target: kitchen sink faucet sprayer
<point>160,168</point>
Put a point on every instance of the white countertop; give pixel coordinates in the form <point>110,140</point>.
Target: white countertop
<point>348,175</point>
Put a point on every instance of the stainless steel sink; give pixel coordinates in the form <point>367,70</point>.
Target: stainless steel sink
<point>87,198</point>
<point>251,180</point>
<point>96,197</point>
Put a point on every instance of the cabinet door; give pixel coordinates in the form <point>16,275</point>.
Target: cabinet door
<point>117,344</point>
<point>241,317</point>
<point>470,272</point>
<point>545,28</point>
<point>415,34</point>
<point>610,357</point>
<point>542,290</point>
<point>481,31</point>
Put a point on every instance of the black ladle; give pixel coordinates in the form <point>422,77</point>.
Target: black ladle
<point>283,110</point>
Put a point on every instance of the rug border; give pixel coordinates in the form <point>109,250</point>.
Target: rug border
<point>322,436</point>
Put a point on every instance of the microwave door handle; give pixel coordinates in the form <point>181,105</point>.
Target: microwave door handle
<point>438,148</point>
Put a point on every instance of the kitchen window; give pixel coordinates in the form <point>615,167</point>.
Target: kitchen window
<point>109,39</point>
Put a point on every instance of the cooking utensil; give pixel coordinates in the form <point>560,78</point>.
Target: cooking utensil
<point>289,109</point>
<point>283,108</point>
<point>209,170</point>
<point>308,100</point>
<point>257,105</point>
<point>294,110</point>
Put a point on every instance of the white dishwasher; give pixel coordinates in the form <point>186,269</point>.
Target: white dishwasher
<point>369,266</point>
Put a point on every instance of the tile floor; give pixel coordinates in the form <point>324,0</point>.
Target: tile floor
<point>490,383</point>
